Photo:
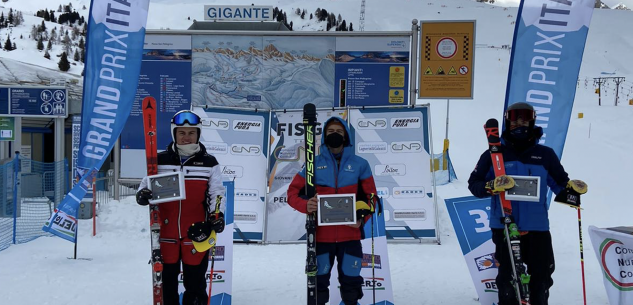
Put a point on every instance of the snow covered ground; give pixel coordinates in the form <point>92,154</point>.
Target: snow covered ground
<point>598,150</point>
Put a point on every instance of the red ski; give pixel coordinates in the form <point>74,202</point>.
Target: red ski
<point>149,124</point>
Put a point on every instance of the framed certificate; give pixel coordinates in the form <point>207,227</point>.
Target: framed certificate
<point>167,187</point>
<point>336,209</point>
<point>526,188</point>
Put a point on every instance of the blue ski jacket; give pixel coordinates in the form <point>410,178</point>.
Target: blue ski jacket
<point>352,176</point>
<point>536,160</point>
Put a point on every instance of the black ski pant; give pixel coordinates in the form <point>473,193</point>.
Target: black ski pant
<point>537,254</point>
<point>193,278</point>
<point>349,259</point>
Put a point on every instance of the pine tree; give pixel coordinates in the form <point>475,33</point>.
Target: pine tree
<point>83,8</point>
<point>76,56</point>
<point>49,46</point>
<point>83,55</point>
<point>10,17</point>
<point>1,19</point>
<point>311,16</point>
<point>14,46</point>
<point>47,55</point>
<point>53,19</point>
<point>351,27</point>
<point>63,64</point>
<point>42,27</point>
<point>82,44</point>
<point>8,46</point>
<point>47,16</point>
<point>59,9</point>
<point>40,44</point>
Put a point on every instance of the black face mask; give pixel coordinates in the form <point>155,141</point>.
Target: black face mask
<point>521,133</point>
<point>334,140</point>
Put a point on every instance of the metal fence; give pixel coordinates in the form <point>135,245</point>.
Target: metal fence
<point>29,192</point>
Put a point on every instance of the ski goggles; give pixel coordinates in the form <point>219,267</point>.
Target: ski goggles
<point>524,114</point>
<point>185,117</point>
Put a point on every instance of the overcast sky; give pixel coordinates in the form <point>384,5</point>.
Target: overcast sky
<point>610,3</point>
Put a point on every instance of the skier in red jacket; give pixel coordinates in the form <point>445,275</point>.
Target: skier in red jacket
<point>203,183</point>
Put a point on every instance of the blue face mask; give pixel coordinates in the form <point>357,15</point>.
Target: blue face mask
<point>521,133</point>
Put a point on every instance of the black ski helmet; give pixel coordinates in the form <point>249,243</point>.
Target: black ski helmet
<point>520,110</point>
<point>185,118</point>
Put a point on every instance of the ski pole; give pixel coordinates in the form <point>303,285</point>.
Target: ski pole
<point>218,202</point>
<point>373,269</point>
<point>582,260</point>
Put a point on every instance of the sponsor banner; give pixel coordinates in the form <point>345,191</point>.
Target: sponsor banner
<point>614,250</point>
<point>470,217</point>
<point>403,180</point>
<point>381,282</point>
<point>237,139</point>
<point>372,148</point>
<point>166,76</point>
<point>372,71</point>
<point>223,270</point>
<point>549,41</point>
<point>114,28</point>
<point>286,159</point>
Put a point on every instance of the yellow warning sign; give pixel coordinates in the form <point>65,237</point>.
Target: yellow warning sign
<point>396,96</point>
<point>396,76</point>
<point>447,55</point>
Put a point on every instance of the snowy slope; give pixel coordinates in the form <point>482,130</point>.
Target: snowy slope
<point>598,150</point>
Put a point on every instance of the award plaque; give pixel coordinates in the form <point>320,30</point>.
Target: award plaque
<point>167,187</point>
<point>526,188</point>
<point>336,209</point>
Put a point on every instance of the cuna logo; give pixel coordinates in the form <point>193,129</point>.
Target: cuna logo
<point>213,123</point>
<point>245,149</point>
<point>406,146</point>
<point>379,123</point>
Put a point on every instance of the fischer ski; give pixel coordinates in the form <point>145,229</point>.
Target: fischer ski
<point>309,123</point>
<point>149,124</point>
<point>520,278</point>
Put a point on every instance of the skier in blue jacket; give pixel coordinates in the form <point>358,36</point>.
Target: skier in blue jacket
<point>523,156</point>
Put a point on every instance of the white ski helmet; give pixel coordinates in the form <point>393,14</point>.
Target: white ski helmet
<point>185,118</point>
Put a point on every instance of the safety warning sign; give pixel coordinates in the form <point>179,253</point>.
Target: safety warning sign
<point>446,59</point>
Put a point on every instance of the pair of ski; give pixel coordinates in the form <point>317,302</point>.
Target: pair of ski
<point>520,278</point>
<point>149,128</point>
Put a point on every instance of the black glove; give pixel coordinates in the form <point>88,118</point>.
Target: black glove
<point>143,196</point>
<point>201,231</point>
<point>571,193</point>
<point>217,225</point>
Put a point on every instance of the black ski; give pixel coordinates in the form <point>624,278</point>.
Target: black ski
<point>520,278</point>
<point>309,123</point>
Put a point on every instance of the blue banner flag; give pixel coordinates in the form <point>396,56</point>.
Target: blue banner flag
<point>116,31</point>
<point>549,41</point>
